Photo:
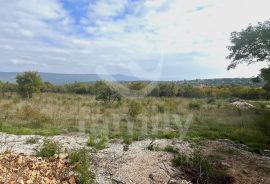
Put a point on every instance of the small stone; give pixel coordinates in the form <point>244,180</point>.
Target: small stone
<point>72,180</point>
<point>20,159</point>
<point>63,156</point>
<point>173,181</point>
<point>29,181</point>
<point>224,164</point>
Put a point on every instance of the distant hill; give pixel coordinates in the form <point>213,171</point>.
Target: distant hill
<point>56,78</point>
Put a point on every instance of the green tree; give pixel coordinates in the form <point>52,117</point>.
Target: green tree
<point>251,45</point>
<point>28,83</point>
<point>106,93</point>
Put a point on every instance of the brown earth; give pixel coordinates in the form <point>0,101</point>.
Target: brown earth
<point>244,166</point>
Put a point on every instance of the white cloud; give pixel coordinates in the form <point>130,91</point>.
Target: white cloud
<point>192,34</point>
<point>106,8</point>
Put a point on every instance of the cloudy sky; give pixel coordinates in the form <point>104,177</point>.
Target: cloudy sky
<point>157,39</point>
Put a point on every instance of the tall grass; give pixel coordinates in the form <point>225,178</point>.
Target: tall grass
<point>50,114</point>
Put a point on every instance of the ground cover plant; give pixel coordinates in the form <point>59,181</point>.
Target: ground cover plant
<point>154,117</point>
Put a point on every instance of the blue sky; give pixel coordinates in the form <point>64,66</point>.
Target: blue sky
<point>154,39</point>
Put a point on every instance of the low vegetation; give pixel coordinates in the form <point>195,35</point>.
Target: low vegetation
<point>171,149</point>
<point>32,140</point>
<point>198,169</point>
<point>51,114</point>
<point>98,142</point>
<point>49,148</point>
<point>82,162</point>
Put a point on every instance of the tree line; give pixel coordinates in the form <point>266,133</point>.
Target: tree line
<point>29,83</point>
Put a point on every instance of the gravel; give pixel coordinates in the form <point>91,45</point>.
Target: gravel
<point>112,164</point>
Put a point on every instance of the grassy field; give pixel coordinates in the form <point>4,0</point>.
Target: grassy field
<point>137,118</point>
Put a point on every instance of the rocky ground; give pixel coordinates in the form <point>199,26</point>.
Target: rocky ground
<point>19,168</point>
<point>136,165</point>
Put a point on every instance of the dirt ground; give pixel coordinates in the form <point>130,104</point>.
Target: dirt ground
<point>244,166</point>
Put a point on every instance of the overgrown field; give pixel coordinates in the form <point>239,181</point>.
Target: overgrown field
<point>137,118</point>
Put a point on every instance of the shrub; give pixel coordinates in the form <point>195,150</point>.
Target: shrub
<point>199,170</point>
<point>49,148</point>
<point>106,93</point>
<point>28,83</point>
<point>202,164</point>
<point>194,105</point>
<point>135,108</point>
<point>82,160</point>
<point>179,159</point>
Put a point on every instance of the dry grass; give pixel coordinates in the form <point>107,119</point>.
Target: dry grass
<point>49,114</point>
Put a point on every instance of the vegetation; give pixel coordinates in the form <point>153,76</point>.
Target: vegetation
<point>252,45</point>
<point>111,92</point>
<point>135,108</point>
<point>81,159</point>
<point>98,142</point>
<point>51,114</point>
<point>28,83</point>
<point>106,93</point>
<point>49,148</point>
<point>32,140</point>
<point>199,169</point>
<point>171,149</point>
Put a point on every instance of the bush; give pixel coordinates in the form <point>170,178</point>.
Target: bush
<point>198,169</point>
<point>49,148</point>
<point>202,164</point>
<point>135,108</point>
<point>105,93</point>
<point>28,83</point>
<point>194,105</point>
<point>82,160</point>
<point>179,159</point>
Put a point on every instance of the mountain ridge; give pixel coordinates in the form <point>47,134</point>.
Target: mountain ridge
<point>60,79</point>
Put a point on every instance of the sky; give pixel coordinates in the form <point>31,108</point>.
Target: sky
<point>150,39</point>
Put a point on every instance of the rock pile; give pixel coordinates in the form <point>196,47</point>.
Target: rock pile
<point>23,169</point>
